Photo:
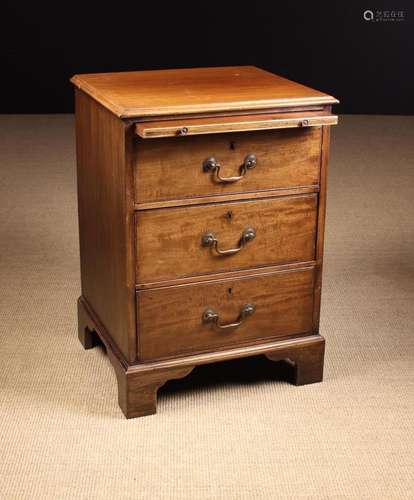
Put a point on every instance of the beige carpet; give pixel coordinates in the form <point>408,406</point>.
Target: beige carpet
<point>229,431</point>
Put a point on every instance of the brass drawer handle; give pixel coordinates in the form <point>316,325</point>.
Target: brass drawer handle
<point>212,165</point>
<point>210,316</point>
<point>210,240</point>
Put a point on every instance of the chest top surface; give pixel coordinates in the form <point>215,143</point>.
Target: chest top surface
<point>198,90</point>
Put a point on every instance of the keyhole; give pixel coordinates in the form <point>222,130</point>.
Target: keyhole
<point>229,214</point>
<point>230,291</point>
<point>232,145</point>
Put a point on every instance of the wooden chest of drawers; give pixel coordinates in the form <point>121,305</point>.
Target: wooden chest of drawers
<point>201,213</point>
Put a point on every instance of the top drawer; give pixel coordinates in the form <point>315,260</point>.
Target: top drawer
<point>178,168</point>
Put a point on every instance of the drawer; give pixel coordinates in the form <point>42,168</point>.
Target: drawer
<point>224,314</point>
<point>179,242</point>
<point>177,168</point>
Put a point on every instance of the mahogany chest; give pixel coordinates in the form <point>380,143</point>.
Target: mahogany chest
<point>201,217</point>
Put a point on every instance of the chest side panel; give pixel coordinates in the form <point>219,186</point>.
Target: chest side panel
<point>105,218</point>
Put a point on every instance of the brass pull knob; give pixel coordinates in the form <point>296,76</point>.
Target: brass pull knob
<point>210,240</point>
<point>213,166</point>
<point>211,316</point>
<point>182,131</point>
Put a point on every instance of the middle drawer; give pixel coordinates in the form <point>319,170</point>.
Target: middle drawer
<point>180,242</point>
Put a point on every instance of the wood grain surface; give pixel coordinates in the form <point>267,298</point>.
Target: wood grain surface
<point>105,220</point>
<point>170,92</point>
<point>169,241</point>
<point>172,168</point>
<point>170,319</point>
<point>320,235</point>
<point>224,124</point>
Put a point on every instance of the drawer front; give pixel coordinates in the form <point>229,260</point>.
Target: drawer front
<point>179,242</point>
<point>203,317</point>
<point>176,168</point>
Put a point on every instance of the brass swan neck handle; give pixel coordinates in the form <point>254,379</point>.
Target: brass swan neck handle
<point>210,240</point>
<point>213,166</point>
<point>211,316</point>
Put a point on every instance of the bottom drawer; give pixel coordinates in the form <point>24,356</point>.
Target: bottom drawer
<point>224,313</point>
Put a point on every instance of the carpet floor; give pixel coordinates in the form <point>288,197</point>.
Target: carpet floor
<point>234,430</point>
